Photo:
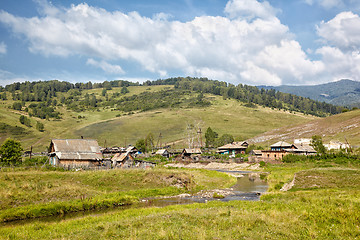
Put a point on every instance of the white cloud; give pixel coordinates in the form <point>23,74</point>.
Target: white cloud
<point>343,31</point>
<point>341,55</point>
<point>106,67</point>
<point>251,45</point>
<point>250,9</point>
<point>3,48</point>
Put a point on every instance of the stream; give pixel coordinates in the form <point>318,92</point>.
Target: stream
<point>249,187</point>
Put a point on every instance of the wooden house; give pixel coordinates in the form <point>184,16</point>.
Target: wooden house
<point>75,153</point>
<point>279,150</point>
<point>126,160</point>
<point>279,146</point>
<point>191,151</point>
<point>233,148</point>
<point>163,152</point>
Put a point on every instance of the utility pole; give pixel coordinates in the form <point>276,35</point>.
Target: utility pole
<point>348,145</point>
<point>199,137</point>
<point>159,141</point>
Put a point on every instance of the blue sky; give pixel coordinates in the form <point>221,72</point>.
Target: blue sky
<point>254,42</point>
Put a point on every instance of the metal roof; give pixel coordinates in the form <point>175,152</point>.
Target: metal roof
<point>161,151</point>
<point>234,145</point>
<point>192,150</point>
<point>78,149</point>
<point>281,144</point>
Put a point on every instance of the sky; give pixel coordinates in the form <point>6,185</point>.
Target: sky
<point>255,42</point>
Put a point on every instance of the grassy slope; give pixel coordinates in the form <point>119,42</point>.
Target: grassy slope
<point>329,211</point>
<point>224,116</point>
<point>335,127</point>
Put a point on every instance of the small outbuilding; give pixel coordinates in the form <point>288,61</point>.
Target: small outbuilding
<point>191,151</point>
<point>75,153</point>
<point>163,152</point>
<point>126,160</point>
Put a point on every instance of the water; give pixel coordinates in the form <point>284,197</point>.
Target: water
<point>249,187</point>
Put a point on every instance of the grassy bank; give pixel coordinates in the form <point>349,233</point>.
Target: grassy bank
<point>323,204</point>
<point>29,194</point>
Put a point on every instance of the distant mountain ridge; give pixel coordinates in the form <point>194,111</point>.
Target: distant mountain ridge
<point>342,93</point>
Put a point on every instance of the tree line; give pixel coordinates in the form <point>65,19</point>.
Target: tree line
<point>251,95</point>
<point>50,94</point>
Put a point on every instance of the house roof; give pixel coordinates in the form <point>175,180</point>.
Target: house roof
<point>302,148</point>
<point>281,144</point>
<point>119,157</point>
<point>234,145</point>
<point>192,150</point>
<point>131,148</point>
<point>161,151</point>
<point>78,149</point>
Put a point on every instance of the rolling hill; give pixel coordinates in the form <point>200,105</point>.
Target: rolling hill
<point>341,93</point>
<point>337,127</point>
<point>114,127</point>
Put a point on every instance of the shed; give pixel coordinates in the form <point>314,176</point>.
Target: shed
<point>126,160</point>
<point>75,153</point>
<point>163,152</point>
<point>191,151</point>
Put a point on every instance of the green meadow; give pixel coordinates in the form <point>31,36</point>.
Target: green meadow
<point>39,193</point>
<point>324,203</point>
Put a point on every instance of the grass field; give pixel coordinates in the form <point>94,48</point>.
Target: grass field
<point>27,193</point>
<point>330,210</point>
<point>223,116</point>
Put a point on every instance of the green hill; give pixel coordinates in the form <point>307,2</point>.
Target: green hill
<point>112,124</point>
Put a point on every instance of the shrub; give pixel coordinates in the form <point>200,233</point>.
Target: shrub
<point>10,152</point>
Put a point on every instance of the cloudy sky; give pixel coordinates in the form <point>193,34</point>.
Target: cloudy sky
<point>254,42</point>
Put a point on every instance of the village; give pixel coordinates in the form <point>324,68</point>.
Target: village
<point>87,154</point>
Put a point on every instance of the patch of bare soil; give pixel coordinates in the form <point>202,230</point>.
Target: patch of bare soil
<point>176,181</point>
<point>288,186</point>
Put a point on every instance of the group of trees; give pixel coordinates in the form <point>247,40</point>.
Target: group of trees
<point>212,138</point>
<point>146,144</point>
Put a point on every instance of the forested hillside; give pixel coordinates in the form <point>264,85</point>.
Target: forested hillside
<point>45,96</point>
<point>341,93</point>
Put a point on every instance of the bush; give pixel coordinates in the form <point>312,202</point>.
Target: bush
<point>10,152</point>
